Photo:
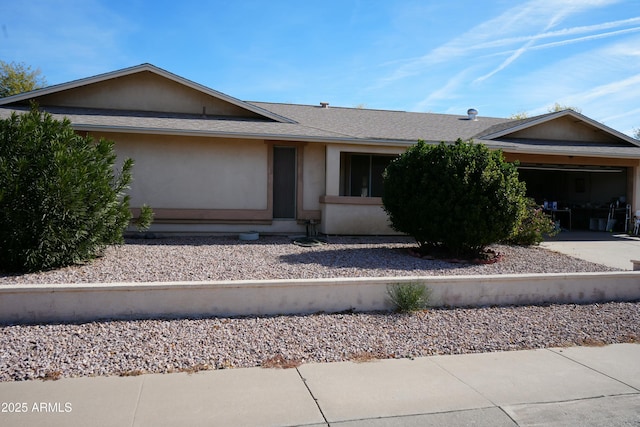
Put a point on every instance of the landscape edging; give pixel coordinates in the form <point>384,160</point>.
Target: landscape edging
<point>89,302</point>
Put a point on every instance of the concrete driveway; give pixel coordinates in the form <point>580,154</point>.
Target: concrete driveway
<point>610,249</point>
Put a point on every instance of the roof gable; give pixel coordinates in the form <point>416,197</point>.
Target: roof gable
<point>562,126</point>
<point>143,88</point>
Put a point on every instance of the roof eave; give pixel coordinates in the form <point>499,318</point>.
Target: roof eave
<point>239,135</point>
<point>571,153</point>
<point>334,140</point>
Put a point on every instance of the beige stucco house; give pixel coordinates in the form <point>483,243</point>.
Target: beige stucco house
<point>207,162</point>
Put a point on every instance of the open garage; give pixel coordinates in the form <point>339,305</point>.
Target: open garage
<point>585,197</point>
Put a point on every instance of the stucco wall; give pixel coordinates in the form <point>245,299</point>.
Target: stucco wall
<point>564,129</point>
<point>313,175</point>
<point>196,173</point>
<point>143,92</point>
<point>347,215</point>
<point>175,172</point>
<point>346,218</point>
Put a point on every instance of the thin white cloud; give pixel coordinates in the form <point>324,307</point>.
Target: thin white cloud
<point>603,83</point>
<point>577,40</point>
<point>502,31</point>
<point>443,93</point>
<point>515,55</point>
<point>627,113</point>
<point>529,45</point>
<point>449,72</point>
<point>627,86</point>
<point>561,33</point>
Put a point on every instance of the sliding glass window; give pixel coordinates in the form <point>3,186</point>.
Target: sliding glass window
<point>361,174</point>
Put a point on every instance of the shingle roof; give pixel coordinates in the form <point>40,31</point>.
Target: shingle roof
<point>168,123</point>
<point>334,124</point>
<point>317,124</point>
<point>310,122</point>
<point>388,125</point>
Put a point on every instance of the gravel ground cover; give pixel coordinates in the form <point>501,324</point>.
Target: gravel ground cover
<point>275,257</point>
<point>134,347</point>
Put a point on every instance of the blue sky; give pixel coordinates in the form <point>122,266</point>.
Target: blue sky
<point>500,57</point>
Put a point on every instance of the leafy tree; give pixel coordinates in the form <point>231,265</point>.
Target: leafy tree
<point>17,78</point>
<point>455,197</point>
<point>636,133</point>
<point>61,200</point>
<point>520,115</point>
<point>557,107</point>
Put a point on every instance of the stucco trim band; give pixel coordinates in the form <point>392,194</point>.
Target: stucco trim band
<point>163,215</point>
<point>350,200</point>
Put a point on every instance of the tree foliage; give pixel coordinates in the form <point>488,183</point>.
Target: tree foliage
<point>558,107</point>
<point>519,115</point>
<point>61,200</point>
<point>458,197</point>
<point>533,227</point>
<point>17,78</point>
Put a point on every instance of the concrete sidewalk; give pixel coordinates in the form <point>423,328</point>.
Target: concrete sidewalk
<point>612,250</point>
<point>586,386</point>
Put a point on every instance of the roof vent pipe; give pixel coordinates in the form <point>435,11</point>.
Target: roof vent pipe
<point>324,104</point>
<point>472,113</point>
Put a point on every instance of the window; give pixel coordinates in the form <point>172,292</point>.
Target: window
<point>361,174</point>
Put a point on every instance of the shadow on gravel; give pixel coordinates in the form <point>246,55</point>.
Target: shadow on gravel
<point>263,240</point>
<point>206,241</point>
<point>369,259</point>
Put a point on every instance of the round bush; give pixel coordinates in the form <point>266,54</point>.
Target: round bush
<point>457,197</point>
<point>61,201</point>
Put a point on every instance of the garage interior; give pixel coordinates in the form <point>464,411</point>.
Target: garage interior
<point>581,197</point>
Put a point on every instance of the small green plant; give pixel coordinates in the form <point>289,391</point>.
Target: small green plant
<point>408,297</point>
<point>533,228</point>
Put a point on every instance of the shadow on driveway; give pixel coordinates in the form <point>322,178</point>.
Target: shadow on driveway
<point>590,236</point>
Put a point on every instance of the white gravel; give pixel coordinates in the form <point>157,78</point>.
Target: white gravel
<point>134,347</point>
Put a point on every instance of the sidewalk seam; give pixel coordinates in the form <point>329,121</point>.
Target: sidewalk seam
<point>495,405</point>
<point>591,368</point>
<point>504,411</point>
<point>304,381</point>
<point>135,412</point>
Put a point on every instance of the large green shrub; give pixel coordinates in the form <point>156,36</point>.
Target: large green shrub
<point>61,200</point>
<point>456,197</point>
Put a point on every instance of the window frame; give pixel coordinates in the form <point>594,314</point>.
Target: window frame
<point>372,183</point>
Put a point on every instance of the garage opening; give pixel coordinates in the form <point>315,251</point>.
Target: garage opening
<point>585,197</point>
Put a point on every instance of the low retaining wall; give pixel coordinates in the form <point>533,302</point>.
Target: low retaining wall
<point>87,302</point>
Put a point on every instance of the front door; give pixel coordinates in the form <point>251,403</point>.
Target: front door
<point>284,182</point>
